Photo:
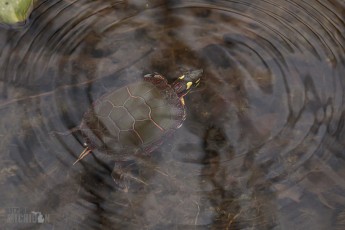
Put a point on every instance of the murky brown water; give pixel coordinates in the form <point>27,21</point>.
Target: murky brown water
<point>263,143</point>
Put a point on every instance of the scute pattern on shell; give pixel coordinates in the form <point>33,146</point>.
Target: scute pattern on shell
<point>133,119</point>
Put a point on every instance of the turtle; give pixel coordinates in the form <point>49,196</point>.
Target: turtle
<point>135,119</point>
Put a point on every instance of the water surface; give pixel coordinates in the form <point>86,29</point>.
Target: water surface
<point>263,143</point>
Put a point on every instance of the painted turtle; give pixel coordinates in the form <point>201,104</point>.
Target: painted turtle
<point>135,119</point>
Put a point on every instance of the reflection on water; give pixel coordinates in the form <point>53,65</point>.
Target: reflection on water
<point>263,143</point>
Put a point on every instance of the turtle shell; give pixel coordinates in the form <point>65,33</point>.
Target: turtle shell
<point>133,119</point>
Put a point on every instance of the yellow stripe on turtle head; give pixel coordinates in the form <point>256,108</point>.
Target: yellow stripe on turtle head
<point>189,84</point>
<point>181,78</point>
<point>182,101</point>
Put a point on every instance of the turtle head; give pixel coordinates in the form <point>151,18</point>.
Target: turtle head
<point>187,82</point>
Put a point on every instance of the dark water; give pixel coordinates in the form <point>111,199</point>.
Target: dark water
<point>263,143</point>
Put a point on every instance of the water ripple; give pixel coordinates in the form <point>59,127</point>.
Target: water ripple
<point>263,135</point>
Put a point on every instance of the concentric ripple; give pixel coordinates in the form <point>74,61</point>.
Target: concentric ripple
<point>262,146</point>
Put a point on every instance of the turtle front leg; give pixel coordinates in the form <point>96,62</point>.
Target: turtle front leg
<point>124,174</point>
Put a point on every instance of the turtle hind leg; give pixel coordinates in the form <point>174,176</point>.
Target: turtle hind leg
<point>68,132</point>
<point>125,173</point>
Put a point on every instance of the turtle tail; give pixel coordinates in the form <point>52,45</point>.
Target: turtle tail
<point>85,152</point>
